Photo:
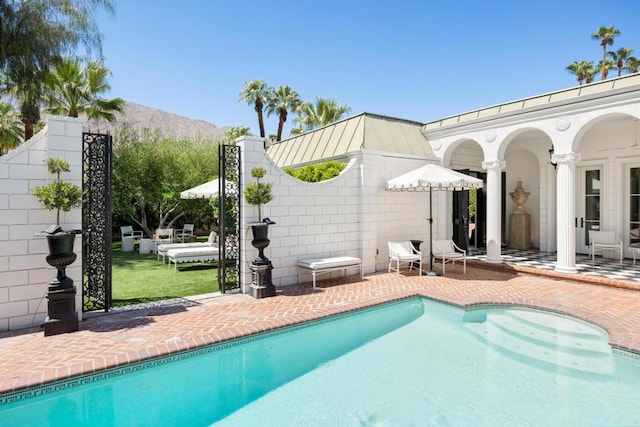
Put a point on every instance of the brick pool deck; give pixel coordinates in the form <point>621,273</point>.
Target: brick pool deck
<point>28,359</point>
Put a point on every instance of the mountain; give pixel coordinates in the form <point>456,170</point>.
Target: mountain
<point>172,125</point>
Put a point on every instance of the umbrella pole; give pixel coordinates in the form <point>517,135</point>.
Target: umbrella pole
<point>430,230</point>
<point>431,272</point>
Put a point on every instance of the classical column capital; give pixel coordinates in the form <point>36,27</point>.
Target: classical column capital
<point>494,165</point>
<point>566,158</point>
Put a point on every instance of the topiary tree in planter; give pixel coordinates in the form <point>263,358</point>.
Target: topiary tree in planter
<point>60,196</point>
<point>258,194</point>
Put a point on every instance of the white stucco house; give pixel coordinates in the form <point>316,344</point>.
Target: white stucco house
<point>577,151</point>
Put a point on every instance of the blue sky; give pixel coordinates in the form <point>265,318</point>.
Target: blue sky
<point>417,60</point>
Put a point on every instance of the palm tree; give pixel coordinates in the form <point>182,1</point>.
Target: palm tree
<point>10,128</point>
<point>604,68</point>
<point>632,65</point>
<point>255,93</point>
<point>282,100</point>
<point>620,58</point>
<point>589,73</point>
<point>605,35</point>
<point>72,90</point>
<point>26,89</point>
<point>33,35</point>
<point>579,69</point>
<point>324,112</point>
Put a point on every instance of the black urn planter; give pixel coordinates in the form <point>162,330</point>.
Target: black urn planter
<point>260,240</point>
<point>61,313</point>
<point>261,267</point>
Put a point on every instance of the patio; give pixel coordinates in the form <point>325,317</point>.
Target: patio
<point>119,338</point>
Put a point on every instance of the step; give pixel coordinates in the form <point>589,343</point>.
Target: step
<point>551,322</point>
<point>561,339</point>
<point>521,338</point>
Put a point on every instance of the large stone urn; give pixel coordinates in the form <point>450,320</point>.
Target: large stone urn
<point>61,294</point>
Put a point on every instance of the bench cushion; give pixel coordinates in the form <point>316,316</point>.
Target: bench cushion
<point>192,252</point>
<point>164,248</point>
<point>329,262</point>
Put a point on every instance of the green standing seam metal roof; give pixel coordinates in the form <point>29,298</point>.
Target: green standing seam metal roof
<point>364,131</point>
<point>628,82</point>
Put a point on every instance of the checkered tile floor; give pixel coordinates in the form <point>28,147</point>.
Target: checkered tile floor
<point>603,267</point>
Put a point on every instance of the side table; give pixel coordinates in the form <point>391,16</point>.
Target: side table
<point>128,243</point>
<point>146,245</point>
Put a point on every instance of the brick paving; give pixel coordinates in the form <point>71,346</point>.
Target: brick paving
<point>29,359</point>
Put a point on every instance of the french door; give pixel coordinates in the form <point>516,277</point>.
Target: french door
<point>589,185</point>
<point>632,217</point>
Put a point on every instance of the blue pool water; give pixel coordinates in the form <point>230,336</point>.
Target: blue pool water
<point>412,363</point>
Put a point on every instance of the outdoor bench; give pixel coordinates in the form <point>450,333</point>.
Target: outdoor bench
<point>202,254</point>
<point>317,266</point>
<point>166,247</point>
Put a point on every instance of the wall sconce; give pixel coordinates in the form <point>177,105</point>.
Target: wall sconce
<point>554,164</point>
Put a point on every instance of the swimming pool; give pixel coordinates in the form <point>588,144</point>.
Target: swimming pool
<point>414,362</point>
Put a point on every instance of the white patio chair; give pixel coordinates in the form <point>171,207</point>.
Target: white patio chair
<point>401,253</point>
<point>128,237</point>
<point>163,236</point>
<point>604,241</point>
<point>447,250</point>
<point>127,231</point>
<point>181,233</point>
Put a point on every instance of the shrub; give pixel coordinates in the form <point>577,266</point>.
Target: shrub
<point>318,171</point>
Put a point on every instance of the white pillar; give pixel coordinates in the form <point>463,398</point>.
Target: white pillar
<point>566,209</point>
<point>494,211</point>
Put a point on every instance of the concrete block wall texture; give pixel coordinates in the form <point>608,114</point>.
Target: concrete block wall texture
<point>350,215</point>
<point>24,273</point>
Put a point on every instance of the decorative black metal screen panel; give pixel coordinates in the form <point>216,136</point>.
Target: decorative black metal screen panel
<point>229,218</point>
<point>96,222</point>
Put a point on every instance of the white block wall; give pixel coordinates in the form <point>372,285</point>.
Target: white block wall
<point>24,273</point>
<point>351,215</point>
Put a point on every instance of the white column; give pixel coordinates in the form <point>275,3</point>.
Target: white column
<point>566,209</point>
<point>494,212</point>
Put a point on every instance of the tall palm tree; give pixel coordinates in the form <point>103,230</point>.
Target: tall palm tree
<point>620,58</point>
<point>255,93</point>
<point>632,65</point>
<point>604,68</point>
<point>605,36</point>
<point>579,69</point>
<point>72,89</point>
<point>281,100</point>
<point>324,112</point>
<point>10,128</point>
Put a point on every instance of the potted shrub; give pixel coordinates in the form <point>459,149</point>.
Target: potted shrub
<point>258,194</point>
<point>60,196</point>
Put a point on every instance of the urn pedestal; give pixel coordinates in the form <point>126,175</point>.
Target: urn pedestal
<point>520,231</point>
<point>61,295</point>
<point>261,267</point>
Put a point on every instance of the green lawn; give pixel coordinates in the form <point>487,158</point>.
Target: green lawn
<point>141,278</point>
